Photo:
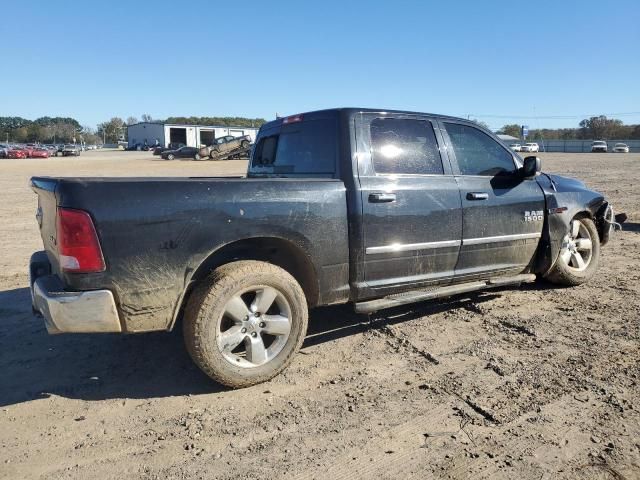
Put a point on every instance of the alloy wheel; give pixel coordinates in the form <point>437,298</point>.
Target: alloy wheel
<point>577,247</point>
<point>254,326</point>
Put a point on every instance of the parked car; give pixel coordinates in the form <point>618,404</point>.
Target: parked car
<point>40,153</point>
<point>29,148</point>
<point>621,148</point>
<point>4,150</point>
<point>223,146</point>
<point>16,152</point>
<point>530,147</point>
<point>70,150</point>
<point>341,205</point>
<point>182,152</point>
<point>172,146</point>
<point>516,147</point>
<point>54,150</point>
<point>599,146</point>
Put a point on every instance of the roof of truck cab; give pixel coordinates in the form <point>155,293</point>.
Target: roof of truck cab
<point>349,111</point>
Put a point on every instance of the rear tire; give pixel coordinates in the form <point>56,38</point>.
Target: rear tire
<point>579,256</point>
<point>197,156</point>
<point>213,154</point>
<point>245,144</point>
<point>227,307</point>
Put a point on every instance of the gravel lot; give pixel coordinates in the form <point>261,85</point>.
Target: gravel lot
<point>537,383</point>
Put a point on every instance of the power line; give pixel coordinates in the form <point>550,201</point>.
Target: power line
<point>553,117</point>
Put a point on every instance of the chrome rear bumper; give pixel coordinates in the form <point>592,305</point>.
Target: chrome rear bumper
<point>73,312</point>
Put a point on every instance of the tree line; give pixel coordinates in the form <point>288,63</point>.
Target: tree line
<point>69,130</point>
<point>53,129</point>
<point>594,128</point>
<point>218,121</point>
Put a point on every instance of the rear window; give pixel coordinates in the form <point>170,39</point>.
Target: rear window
<point>306,147</point>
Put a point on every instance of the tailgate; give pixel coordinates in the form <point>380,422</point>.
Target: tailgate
<point>46,215</point>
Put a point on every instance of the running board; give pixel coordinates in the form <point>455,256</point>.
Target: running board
<point>405,298</point>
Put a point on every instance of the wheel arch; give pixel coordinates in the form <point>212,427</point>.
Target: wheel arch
<point>275,250</point>
<point>556,226</point>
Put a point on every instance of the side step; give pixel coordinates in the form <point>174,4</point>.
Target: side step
<point>405,298</point>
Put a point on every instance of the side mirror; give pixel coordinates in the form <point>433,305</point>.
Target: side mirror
<point>531,167</point>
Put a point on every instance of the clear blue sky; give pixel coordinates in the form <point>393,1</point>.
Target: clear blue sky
<point>95,60</point>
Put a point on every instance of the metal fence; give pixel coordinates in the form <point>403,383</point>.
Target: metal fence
<point>578,146</point>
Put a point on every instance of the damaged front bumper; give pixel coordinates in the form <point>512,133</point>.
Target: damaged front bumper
<point>607,224</point>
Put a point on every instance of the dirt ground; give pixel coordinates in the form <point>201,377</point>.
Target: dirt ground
<point>537,383</point>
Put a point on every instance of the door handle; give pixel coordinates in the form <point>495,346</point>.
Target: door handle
<point>380,197</point>
<point>477,196</point>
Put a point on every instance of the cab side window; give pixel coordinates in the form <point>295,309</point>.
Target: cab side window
<point>404,146</point>
<point>477,153</point>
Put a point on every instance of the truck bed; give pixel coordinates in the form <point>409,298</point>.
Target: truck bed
<point>157,234</point>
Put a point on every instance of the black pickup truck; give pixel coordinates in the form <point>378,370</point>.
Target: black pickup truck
<point>376,208</point>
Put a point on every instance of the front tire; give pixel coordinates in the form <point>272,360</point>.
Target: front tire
<point>171,157</point>
<point>244,324</point>
<point>579,255</point>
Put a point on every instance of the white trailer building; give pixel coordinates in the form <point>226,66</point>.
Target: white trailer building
<point>191,135</point>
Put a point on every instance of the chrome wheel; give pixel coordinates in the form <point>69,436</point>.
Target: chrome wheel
<point>254,326</point>
<point>577,247</point>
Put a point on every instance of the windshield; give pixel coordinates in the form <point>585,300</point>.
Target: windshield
<point>600,143</point>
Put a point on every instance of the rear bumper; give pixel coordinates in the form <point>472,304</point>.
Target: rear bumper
<point>71,312</point>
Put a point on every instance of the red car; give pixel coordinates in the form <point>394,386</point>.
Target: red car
<point>40,153</point>
<point>16,153</point>
<point>29,149</point>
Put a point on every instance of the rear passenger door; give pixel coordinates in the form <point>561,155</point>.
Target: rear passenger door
<point>502,213</point>
<point>411,204</point>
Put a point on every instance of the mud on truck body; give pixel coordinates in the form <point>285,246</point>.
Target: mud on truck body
<point>374,208</point>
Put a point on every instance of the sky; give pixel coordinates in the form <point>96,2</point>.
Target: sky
<point>544,64</point>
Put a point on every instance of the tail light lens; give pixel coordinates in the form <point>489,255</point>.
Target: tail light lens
<point>78,246</point>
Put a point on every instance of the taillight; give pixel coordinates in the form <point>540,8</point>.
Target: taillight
<point>78,246</point>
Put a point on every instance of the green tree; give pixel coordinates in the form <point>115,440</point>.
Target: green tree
<point>35,132</point>
<point>19,135</point>
<point>600,127</point>
<point>113,130</point>
<point>221,121</point>
<point>512,129</point>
